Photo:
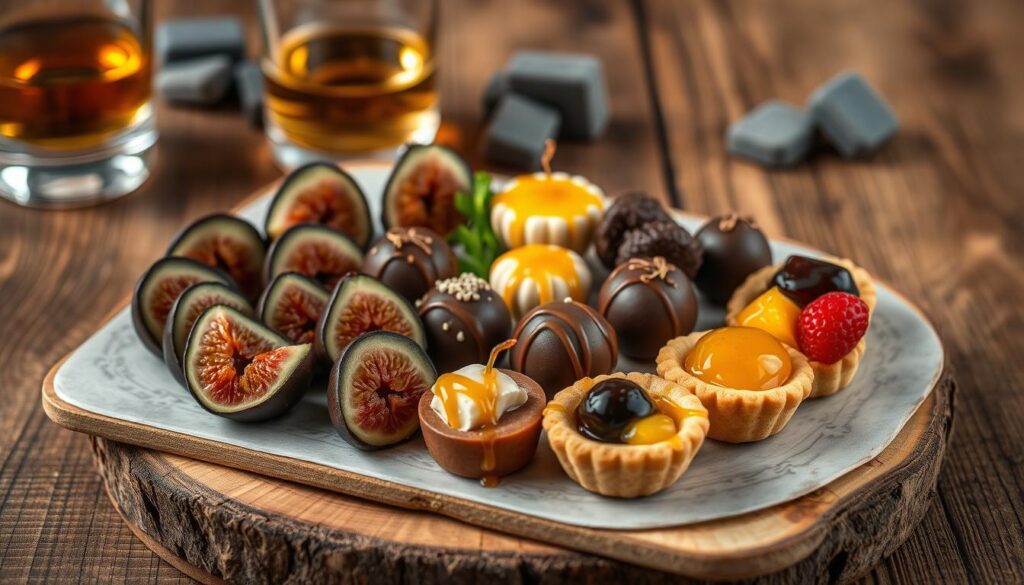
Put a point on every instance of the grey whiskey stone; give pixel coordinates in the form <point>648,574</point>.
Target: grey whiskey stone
<point>189,38</point>
<point>203,81</point>
<point>518,131</point>
<point>773,134</point>
<point>852,115</point>
<point>249,83</point>
<point>572,84</point>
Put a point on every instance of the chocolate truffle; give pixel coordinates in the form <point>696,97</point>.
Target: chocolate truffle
<point>562,342</point>
<point>627,211</point>
<point>463,319</point>
<point>409,260</point>
<point>663,238</point>
<point>734,248</point>
<point>647,302</point>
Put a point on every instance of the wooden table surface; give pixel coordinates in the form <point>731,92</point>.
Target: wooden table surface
<point>939,213</point>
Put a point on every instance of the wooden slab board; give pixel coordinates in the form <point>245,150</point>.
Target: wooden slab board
<point>854,521</point>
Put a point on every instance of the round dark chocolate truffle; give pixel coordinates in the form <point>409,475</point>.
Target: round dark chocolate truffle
<point>463,319</point>
<point>734,248</point>
<point>648,302</point>
<point>409,260</point>
<point>627,211</point>
<point>559,343</point>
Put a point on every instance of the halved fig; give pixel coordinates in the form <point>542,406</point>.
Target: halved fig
<point>323,194</point>
<point>374,390</point>
<point>225,242</point>
<point>421,190</point>
<point>292,305</point>
<point>319,252</point>
<point>158,288</point>
<point>184,312</point>
<point>238,368</point>
<point>362,304</point>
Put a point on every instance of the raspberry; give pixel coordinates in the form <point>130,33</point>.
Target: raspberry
<point>831,325</point>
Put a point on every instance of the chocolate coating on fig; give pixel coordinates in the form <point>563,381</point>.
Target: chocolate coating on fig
<point>409,260</point>
<point>647,302</point>
<point>463,319</point>
<point>561,342</point>
<point>734,248</point>
<point>627,211</point>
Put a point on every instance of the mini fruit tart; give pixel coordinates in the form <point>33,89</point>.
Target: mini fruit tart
<point>749,382</point>
<point>482,422</point>
<point>777,297</point>
<point>625,435</point>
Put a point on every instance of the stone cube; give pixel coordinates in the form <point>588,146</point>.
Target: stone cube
<point>518,131</point>
<point>852,115</point>
<point>572,84</point>
<point>773,134</point>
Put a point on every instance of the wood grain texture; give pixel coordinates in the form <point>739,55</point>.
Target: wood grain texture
<point>214,517</point>
<point>937,213</point>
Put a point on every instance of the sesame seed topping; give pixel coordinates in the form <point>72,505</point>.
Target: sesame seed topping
<point>465,287</point>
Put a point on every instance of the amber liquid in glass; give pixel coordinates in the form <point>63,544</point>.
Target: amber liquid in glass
<point>341,90</point>
<point>69,84</point>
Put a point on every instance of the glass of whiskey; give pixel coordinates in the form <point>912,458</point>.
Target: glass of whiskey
<point>348,78</point>
<point>76,122</point>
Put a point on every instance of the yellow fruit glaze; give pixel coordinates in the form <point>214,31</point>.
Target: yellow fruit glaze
<point>483,393</point>
<point>772,312</point>
<point>541,262</point>
<point>546,195</point>
<point>659,427</point>
<point>745,358</point>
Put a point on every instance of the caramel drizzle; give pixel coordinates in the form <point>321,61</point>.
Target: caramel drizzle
<point>399,237</point>
<point>658,268</point>
<point>559,315</point>
<point>549,153</point>
<point>729,221</point>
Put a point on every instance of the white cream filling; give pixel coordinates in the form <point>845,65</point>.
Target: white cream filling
<point>510,397</point>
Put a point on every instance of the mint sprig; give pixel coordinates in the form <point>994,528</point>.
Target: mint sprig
<point>476,246</point>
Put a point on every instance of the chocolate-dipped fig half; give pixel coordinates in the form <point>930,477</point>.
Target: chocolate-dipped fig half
<point>226,242</point>
<point>323,194</point>
<point>238,368</point>
<point>375,387</point>
<point>158,288</point>
<point>192,302</point>
<point>421,190</point>
<point>292,305</point>
<point>361,304</point>
<point>321,253</point>
<point>734,248</point>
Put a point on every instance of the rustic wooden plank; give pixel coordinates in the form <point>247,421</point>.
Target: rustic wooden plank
<point>937,212</point>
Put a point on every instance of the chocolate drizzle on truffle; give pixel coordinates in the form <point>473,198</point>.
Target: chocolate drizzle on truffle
<point>410,260</point>
<point>561,342</point>
<point>627,300</point>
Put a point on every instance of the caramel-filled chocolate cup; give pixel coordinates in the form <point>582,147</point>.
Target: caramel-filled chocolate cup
<point>514,438</point>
